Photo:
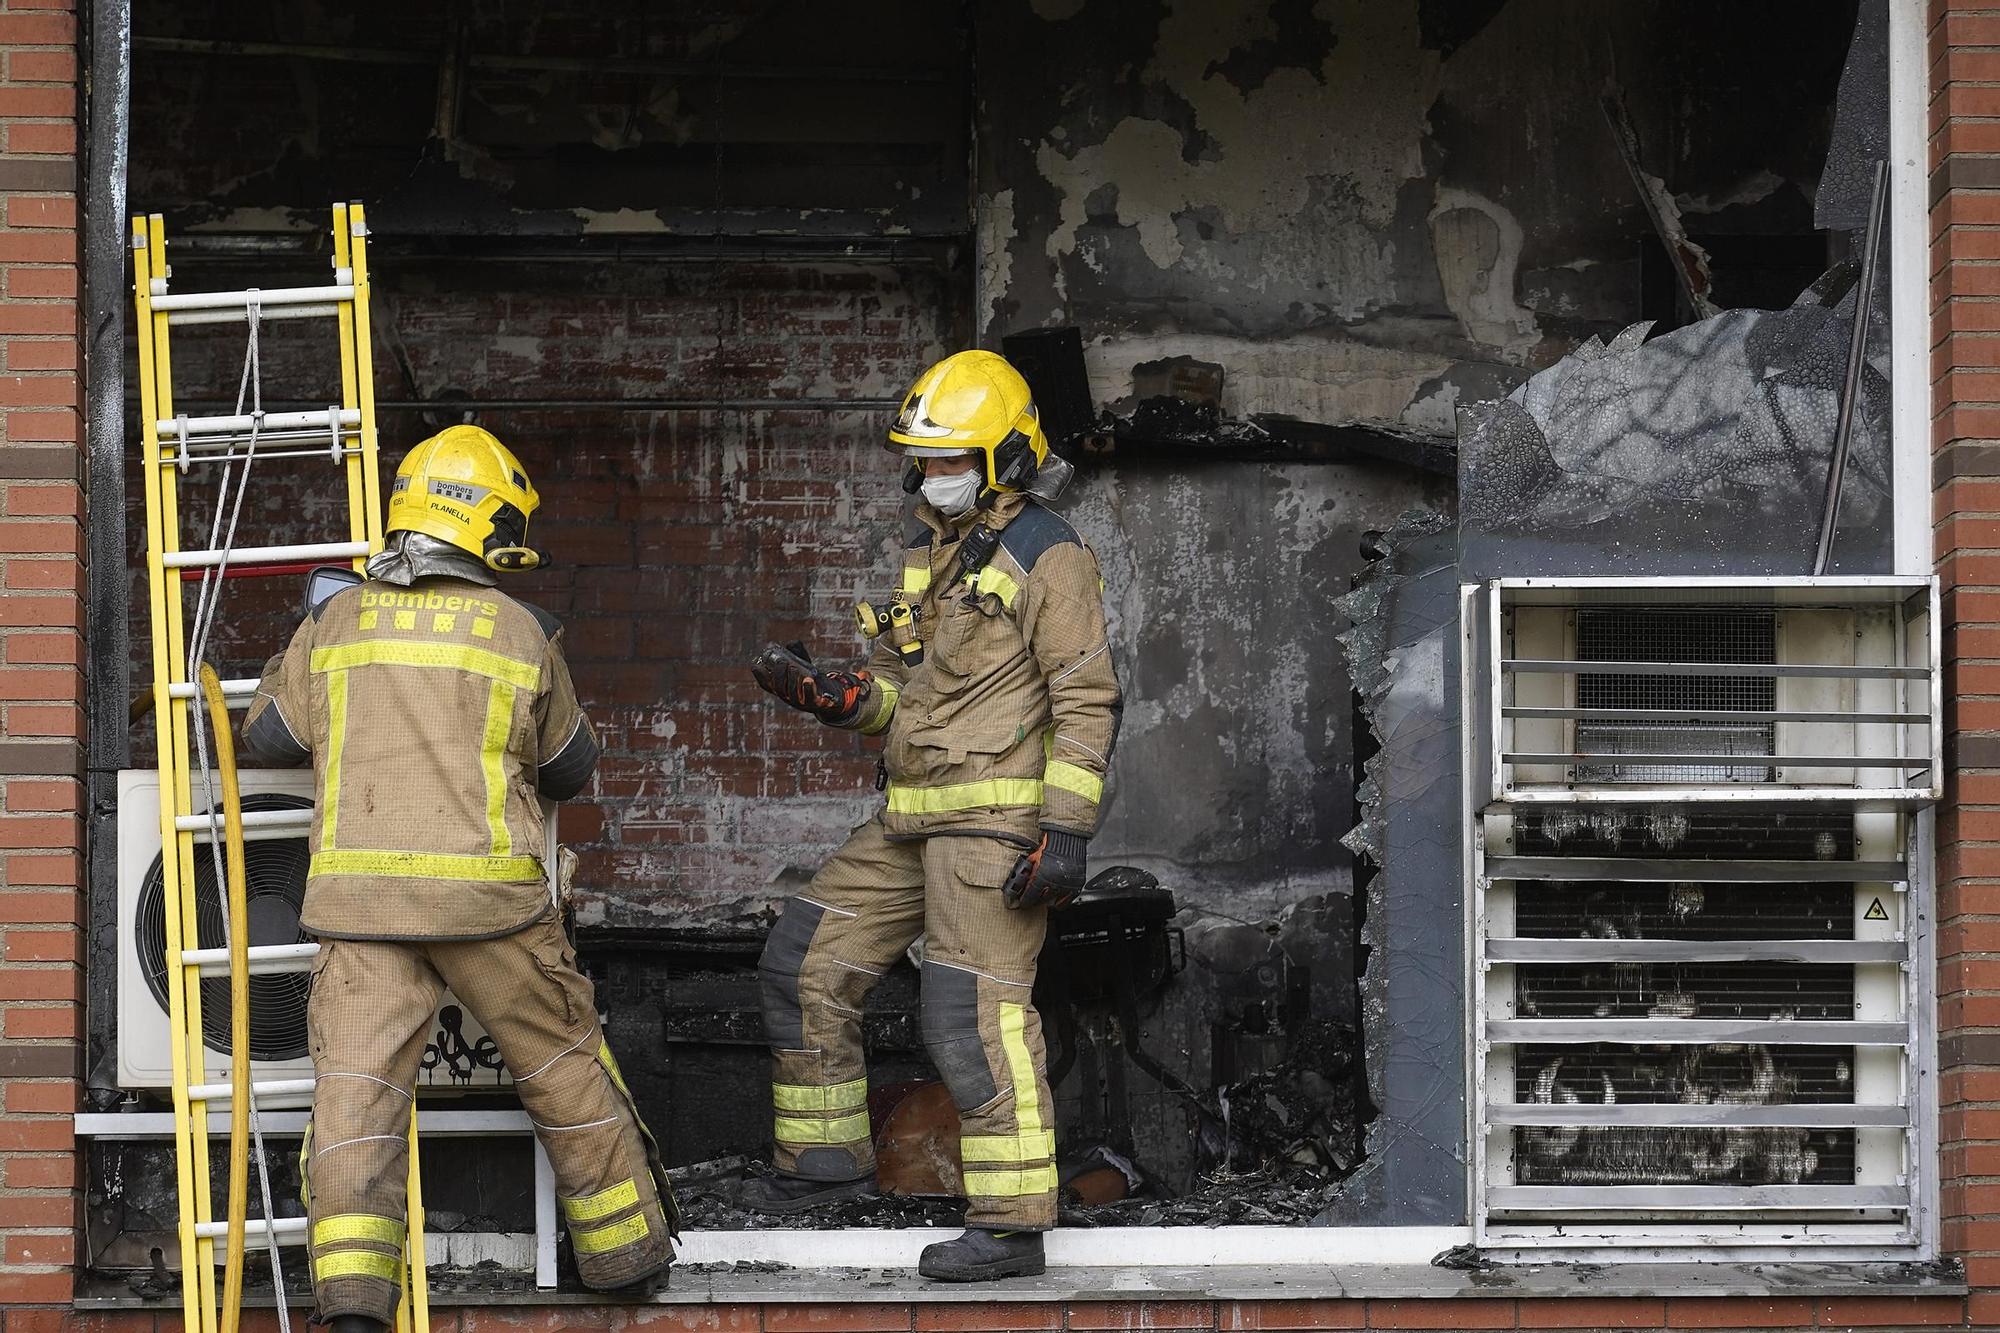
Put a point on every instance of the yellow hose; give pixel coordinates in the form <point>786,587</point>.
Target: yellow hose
<point>239,999</point>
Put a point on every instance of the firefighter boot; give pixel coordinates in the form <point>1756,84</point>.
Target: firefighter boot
<point>794,1194</point>
<point>982,1254</point>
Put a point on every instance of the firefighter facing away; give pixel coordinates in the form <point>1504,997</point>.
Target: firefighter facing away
<point>435,709</point>
<point>991,678</point>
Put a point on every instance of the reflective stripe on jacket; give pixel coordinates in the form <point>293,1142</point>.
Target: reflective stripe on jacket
<point>1007,724</point>
<point>432,714</point>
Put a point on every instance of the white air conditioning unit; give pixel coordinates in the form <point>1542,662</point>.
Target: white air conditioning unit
<point>1699,895</point>
<point>458,1057</point>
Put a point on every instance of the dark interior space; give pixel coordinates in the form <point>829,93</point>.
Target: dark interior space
<point>686,259</point>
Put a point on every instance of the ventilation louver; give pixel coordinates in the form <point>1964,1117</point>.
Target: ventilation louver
<point>1697,963</point>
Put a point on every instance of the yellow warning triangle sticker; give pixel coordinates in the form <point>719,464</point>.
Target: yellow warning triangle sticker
<point>1875,912</point>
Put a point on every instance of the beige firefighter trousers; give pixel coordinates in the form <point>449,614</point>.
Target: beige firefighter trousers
<point>369,1016</point>
<point>868,903</point>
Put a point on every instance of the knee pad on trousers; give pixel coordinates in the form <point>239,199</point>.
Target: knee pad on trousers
<point>778,973</point>
<point>951,1034</point>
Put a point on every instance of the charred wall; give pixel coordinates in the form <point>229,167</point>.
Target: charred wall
<point>684,263</point>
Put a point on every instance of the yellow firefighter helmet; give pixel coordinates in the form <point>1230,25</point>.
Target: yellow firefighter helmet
<point>465,487</point>
<point>974,402</point>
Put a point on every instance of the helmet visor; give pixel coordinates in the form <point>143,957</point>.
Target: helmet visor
<point>936,450</point>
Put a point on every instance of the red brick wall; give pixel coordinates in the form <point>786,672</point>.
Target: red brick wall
<point>682,538</point>
<point>41,652</point>
<point>1965,353</point>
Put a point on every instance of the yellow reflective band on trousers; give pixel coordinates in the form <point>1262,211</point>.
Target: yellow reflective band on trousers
<point>1071,778</point>
<point>350,1227</point>
<point>1007,1148</point>
<point>916,578</point>
<point>336,741</point>
<point>452,656</point>
<point>995,581</point>
<point>964,796</point>
<point>802,1097</point>
<point>840,1129</point>
<point>1010,1184</point>
<point>357,1263</point>
<point>427,865</point>
<point>493,763</point>
<point>614,1237</point>
<point>603,1203</point>
<point>1027,1112</point>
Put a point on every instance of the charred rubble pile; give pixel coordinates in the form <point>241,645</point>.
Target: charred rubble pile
<point>1137,999</point>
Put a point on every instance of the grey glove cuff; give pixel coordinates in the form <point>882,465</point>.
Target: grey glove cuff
<point>1063,843</point>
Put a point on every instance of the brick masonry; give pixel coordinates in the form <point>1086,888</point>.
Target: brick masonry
<point>1965,74</point>
<point>727,498</point>
<point>41,651</point>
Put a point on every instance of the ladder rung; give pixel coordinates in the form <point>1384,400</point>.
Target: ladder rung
<point>270,1087</point>
<point>266,298</point>
<point>265,555</point>
<point>252,819</point>
<point>273,421</point>
<point>265,959</point>
<point>241,315</point>
<point>264,454</point>
<point>233,689</point>
<point>289,1230</point>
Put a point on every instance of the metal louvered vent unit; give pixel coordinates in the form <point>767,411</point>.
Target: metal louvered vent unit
<point>1709,689</point>
<point>1699,900</point>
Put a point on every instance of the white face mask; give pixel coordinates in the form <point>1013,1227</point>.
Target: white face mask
<point>952,496</point>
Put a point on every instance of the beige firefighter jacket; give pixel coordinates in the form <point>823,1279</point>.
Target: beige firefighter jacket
<point>434,716</point>
<point>1007,724</point>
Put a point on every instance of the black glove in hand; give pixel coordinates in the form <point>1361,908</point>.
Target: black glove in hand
<point>832,695</point>
<point>1051,875</point>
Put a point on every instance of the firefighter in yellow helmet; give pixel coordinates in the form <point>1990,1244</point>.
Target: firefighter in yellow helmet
<point>991,677</point>
<point>435,709</point>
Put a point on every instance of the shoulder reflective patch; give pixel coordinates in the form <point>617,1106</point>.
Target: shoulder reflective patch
<point>996,581</point>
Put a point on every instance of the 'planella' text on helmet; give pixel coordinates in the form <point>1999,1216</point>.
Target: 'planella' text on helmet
<point>974,402</point>
<point>464,487</point>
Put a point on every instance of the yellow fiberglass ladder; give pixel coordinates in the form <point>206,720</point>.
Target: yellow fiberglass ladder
<point>340,435</point>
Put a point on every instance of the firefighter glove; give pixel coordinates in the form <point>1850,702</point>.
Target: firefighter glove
<point>1051,875</point>
<point>834,696</point>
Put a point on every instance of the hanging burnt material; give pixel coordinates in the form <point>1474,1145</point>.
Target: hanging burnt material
<point>1705,450</point>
